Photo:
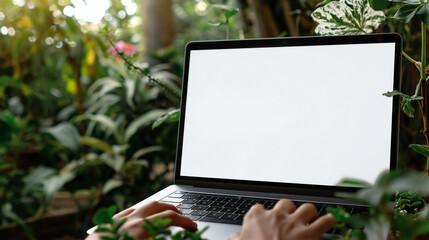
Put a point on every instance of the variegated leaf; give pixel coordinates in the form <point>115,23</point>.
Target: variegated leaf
<point>347,17</point>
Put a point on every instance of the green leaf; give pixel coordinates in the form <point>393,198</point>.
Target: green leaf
<point>145,151</point>
<point>380,4</point>
<point>97,143</point>
<point>395,93</point>
<point>37,177</point>
<point>230,14</point>
<point>111,184</point>
<point>407,107</point>
<point>405,195</point>
<point>358,234</point>
<point>217,23</point>
<point>422,149</point>
<point>7,212</point>
<point>172,116</point>
<point>353,182</point>
<point>323,3</point>
<point>406,12</point>
<point>423,13</point>
<point>115,161</point>
<point>66,134</point>
<point>142,121</point>
<point>347,17</point>
<point>104,215</point>
<point>54,184</point>
<point>416,204</point>
<point>102,119</point>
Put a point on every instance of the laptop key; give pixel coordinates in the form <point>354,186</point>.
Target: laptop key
<point>185,206</point>
<point>241,211</point>
<point>190,201</point>
<point>199,213</point>
<point>218,204</point>
<point>204,202</point>
<point>172,200</point>
<point>228,210</point>
<point>214,209</point>
<point>215,214</point>
<point>232,205</point>
<point>230,216</point>
<point>176,195</point>
<point>199,207</point>
<point>187,211</point>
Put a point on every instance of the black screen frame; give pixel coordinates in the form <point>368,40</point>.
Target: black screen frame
<point>276,187</point>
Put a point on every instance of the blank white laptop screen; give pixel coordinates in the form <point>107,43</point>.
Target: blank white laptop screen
<point>305,115</point>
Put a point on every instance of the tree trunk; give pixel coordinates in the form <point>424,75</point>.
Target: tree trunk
<point>158,25</point>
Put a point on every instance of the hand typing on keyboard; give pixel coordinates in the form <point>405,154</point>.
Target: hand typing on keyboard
<point>284,221</point>
<point>149,211</point>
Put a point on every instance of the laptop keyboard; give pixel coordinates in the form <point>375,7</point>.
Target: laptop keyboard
<point>231,209</point>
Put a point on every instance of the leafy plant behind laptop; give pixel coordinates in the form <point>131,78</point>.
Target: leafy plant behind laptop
<point>346,17</point>
<point>110,228</point>
<point>409,218</point>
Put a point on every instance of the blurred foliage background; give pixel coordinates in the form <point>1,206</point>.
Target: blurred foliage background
<point>76,123</point>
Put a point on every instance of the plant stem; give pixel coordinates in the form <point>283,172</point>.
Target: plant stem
<point>227,30</point>
<point>423,88</point>
<point>173,93</point>
<point>409,58</point>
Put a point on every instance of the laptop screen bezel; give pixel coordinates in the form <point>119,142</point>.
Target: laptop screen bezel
<point>276,187</point>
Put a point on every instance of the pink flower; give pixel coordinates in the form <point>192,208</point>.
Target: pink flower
<point>126,48</point>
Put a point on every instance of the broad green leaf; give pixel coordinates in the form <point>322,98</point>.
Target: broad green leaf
<point>97,143</point>
<point>172,116</point>
<point>111,184</point>
<point>380,4</point>
<point>130,87</point>
<point>406,12</point>
<point>395,93</point>
<point>221,6</point>
<point>145,151</point>
<point>407,107</point>
<point>230,14</point>
<point>217,23</point>
<point>142,121</point>
<point>102,119</point>
<point>66,134</point>
<point>114,161</point>
<point>7,212</point>
<point>422,149</point>
<point>347,17</point>
<point>423,13</point>
<point>37,176</point>
<point>353,182</point>
<point>54,184</point>
<point>104,215</point>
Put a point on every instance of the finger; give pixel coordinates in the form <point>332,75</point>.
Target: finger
<point>255,210</point>
<point>322,224</point>
<point>284,206</point>
<point>234,236</point>
<point>123,213</point>
<point>306,213</point>
<point>154,207</point>
<point>177,220</point>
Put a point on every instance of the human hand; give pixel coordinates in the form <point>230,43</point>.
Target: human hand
<point>150,211</point>
<point>284,221</point>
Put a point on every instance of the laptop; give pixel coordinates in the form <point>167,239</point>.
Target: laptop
<point>266,119</point>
